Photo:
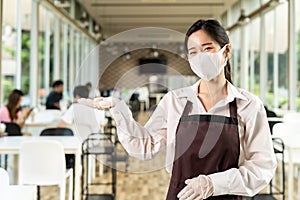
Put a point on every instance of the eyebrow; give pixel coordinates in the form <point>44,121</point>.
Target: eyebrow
<point>208,43</point>
<point>205,44</point>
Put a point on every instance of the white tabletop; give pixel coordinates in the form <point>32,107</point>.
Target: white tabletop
<point>12,144</point>
<point>275,119</point>
<point>19,192</point>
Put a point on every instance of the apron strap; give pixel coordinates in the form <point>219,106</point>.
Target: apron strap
<point>233,109</point>
<point>187,108</point>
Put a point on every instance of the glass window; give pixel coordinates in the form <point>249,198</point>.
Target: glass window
<point>254,57</point>
<point>250,6</point>
<point>276,56</point>
<point>235,13</point>
<point>297,22</point>
<point>235,56</point>
<point>282,39</point>
<point>9,45</point>
<point>269,19</point>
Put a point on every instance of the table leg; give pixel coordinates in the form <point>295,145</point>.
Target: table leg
<point>16,168</point>
<point>77,195</point>
<point>290,177</point>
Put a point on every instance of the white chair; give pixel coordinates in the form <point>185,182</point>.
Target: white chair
<point>42,163</point>
<point>4,178</point>
<point>287,131</point>
<point>143,96</point>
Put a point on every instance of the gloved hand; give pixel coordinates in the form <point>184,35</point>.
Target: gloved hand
<point>197,188</point>
<point>103,103</point>
<point>100,103</point>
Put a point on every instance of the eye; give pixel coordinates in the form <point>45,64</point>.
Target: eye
<point>207,49</point>
<point>191,53</point>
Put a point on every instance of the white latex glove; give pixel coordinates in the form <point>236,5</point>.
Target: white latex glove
<point>100,103</point>
<point>197,188</point>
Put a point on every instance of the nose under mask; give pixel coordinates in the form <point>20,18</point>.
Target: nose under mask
<point>208,65</point>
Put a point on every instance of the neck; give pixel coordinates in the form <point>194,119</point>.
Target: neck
<point>214,86</point>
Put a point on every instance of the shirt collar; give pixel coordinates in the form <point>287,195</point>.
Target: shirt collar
<point>190,92</point>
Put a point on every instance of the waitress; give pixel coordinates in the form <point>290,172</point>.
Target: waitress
<point>216,135</point>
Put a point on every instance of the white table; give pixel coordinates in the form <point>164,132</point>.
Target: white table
<point>275,119</point>
<point>35,128</point>
<point>20,192</point>
<point>292,146</point>
<point>157,96</point>
<point>72,145</point>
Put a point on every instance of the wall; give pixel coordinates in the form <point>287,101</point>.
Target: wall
<point>123,72</point>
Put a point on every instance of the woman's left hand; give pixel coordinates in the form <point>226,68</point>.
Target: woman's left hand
<point>197,188</point>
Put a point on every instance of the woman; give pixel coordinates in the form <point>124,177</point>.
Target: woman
<point>216,136</point>
<point>12,111</point>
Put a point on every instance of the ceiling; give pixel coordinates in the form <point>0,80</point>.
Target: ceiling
<point>116,16</point>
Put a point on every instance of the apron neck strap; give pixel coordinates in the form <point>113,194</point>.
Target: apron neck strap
<point>233,109</point>
<point>187,108</point>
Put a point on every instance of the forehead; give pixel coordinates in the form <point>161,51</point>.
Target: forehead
<point>198,38</point>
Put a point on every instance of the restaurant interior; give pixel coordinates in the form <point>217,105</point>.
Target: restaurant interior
<point>55,52</point>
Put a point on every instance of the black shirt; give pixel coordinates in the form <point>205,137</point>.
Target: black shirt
<point>52,98</point>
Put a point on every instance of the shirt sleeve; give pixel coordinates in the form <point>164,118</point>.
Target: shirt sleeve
<point>258,163</point>
<point>4,115</point>
<point>68,116</point>
<point>142,142</point>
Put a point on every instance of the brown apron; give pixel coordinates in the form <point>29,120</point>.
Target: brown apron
<point>205,144</point>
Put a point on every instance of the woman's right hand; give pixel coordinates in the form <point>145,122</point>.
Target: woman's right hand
<point>26,112</point>
<point>101,103</point>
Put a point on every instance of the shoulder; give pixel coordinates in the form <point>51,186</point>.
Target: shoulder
<point>181,92</point>
<point>4,110</point>
<point>251,99</point>
<point>4,114</point>
<point>251,108</point>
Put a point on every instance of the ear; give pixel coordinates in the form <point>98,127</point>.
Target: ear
<point>228,50</point>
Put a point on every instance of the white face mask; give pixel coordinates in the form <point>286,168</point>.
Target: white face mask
<point>208,65</point>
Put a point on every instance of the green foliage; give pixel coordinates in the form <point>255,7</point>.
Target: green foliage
<point>8,87</point>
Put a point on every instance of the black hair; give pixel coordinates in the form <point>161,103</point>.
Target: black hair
<point>57,83</point>
<point>81,91</point>
<point>214,29</point>
<point>88,84</point>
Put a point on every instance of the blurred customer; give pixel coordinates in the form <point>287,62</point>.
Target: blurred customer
<point>55,95</point>
<point>82,115</point>
<point>13,112</point>
<point>92,92</point>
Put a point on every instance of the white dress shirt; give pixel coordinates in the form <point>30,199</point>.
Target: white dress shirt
<point>85,116</point>
<point>257,162</point>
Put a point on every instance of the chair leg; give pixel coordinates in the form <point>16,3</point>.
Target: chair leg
<point>38,192</point>
<point>5,161</point>
<point>71,186</point>
<point>62,191</point>
<point>298,183</point>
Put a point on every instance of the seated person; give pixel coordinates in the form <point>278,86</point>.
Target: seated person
<point>87,120</point>
<point>55,95</point>
<point>271,113</point>
<point>92,92</point>
<point>12,112</point>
